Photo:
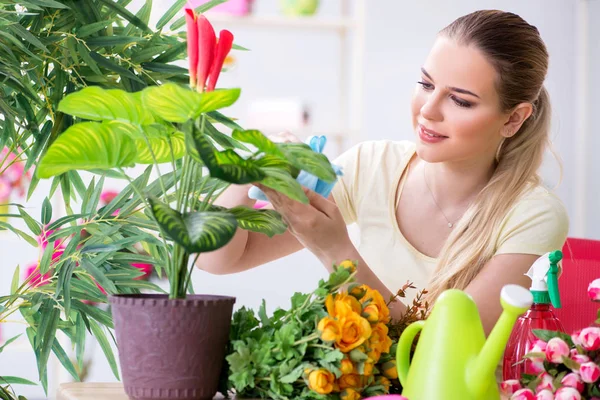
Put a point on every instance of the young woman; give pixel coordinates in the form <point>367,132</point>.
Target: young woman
<point>463,207</point>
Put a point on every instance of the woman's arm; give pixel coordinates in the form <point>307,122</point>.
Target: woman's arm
<point>485,289</point>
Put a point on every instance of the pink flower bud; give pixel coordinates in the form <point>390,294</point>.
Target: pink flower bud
<point>507,388</point>
<point>590,338</point>
<point>567,393</point>
<point>539,346</point>
<point>546,382</point>
<point>573,380</point>
<point>575,337</point>
<point>544,395</point>
<point>523,394</point>
<point>594,290</point>
<point>589,372</point>
<point>580,358</point>
<point>556,350</point>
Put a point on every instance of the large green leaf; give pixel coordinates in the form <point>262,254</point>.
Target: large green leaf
<point>303,157</point>
<point>268,222</point>
<point>282,182</point>
<point>160,148</point>
<point>226,165</point>
<point>87,145</point>
<point>174,103</point>
<point>258,140</point>
<point>198,231</point>
<point>221,98</point>
<point>15,380</point>
<point>98,104</point>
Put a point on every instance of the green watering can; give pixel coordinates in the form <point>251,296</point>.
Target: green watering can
<point>453,360</point>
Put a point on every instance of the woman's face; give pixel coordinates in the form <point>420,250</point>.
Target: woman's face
<point>456,109</point>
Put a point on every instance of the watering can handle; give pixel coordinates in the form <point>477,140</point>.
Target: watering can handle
<point>403,349</point>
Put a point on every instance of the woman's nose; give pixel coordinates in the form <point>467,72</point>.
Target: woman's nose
<point>431,109</point>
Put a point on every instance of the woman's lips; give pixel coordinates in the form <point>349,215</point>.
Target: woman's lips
<point>429,136</point>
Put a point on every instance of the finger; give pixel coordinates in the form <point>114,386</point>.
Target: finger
<point>319,202</point>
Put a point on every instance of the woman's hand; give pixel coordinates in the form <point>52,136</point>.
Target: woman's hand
<point>318,225</point>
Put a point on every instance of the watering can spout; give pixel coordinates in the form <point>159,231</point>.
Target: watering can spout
<point>515,301</point>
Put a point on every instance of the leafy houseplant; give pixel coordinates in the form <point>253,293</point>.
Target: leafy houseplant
<point>175,127</point>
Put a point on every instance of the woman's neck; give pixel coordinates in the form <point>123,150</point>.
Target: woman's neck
<point>455,184</point>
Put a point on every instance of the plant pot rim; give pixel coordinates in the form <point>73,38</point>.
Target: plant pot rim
<point>150,299</point>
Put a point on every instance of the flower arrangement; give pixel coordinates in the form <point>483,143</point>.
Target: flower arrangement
<point>332,343</point>
<point>565,367</point>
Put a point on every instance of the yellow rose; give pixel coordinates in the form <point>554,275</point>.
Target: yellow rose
<point>389,369</point>
<point>350,381</point>
<point>349,265</point>
<point>341,305</point>
<point>374,353</point>
<point>350,394</point>
<point>371,313</point>
<point>380,338</point>
<point>346,366</point>
<point>321,381</point>
<point>329,329</point>
<point>374,297</point>
<point>385,382</point>
<point>357,291</point>
<point>367,369</point>
<point>355,331</point>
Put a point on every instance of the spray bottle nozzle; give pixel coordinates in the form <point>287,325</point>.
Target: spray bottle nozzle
<point>544,279</point>
<point>554,258</point>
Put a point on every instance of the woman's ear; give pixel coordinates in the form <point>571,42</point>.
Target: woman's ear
<point>516,119</point>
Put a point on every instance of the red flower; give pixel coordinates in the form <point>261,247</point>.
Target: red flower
<point>206,54</point>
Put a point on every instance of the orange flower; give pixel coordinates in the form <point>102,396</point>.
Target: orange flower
<point>355,331</point>
<point>329,329</point>
<point>321,381</point>
<point>350,394</point>
<point>349,265</point>
<point>350,381</point>
<point>380,339</point>
<point>374,297</point>
<point>357,291</point>
<point>385,382</point>
<point>341,305</point>
<point>346,366</point>
<point>371,313</point>
<point>389,369</point>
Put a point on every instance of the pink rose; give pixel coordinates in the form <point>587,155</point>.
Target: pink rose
<point>590,338</point>
<point>536,364</point>
<point>589,372</point>
<point>546,382</point>
<point>594,290</point>
<point>579,358</point>
<point>507,388</point>
<point>539,346</point>
<point>544,395</point>
<point>523,394</point>
<point>573,380</point>
<point>567,393</point>
<point>556,350</point>
<point>575,337</point>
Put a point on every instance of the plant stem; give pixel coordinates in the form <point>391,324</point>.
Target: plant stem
<point>189,277</point>
<point>160,180</point>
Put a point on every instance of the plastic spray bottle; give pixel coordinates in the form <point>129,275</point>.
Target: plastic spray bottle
<point>544,288</point>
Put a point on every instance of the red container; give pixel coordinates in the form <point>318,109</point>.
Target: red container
<point>539,316</point>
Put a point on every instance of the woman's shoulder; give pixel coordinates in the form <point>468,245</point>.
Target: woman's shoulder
<point>537,223</point>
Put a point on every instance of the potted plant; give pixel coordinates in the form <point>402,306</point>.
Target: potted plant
<point>172,346</point>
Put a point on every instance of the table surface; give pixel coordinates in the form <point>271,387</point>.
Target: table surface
<point>93,391</point>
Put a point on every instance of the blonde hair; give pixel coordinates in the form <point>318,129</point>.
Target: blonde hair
<point>520,58</point>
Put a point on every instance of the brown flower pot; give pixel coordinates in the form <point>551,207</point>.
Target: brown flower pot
<point>171,349</point>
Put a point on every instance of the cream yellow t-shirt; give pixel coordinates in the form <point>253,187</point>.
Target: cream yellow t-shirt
<point>368,193</point>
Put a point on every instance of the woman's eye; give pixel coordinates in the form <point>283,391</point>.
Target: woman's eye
<point>460,102</point>
<point>425,85</point>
